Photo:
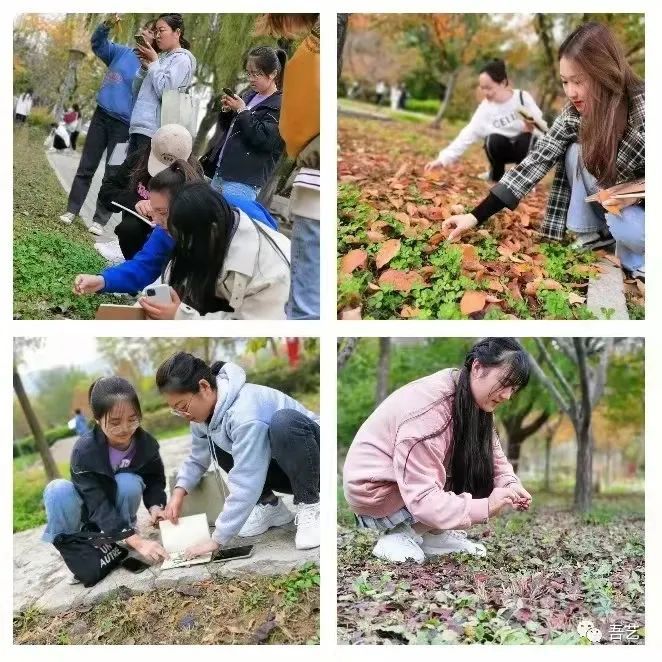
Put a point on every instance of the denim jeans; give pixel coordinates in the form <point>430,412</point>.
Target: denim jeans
<point>105,133</point>
<point>234,188</point>
<point>627,229</point>
<point>64,505</point>
<point>295,457</point>
<point>304,301</point>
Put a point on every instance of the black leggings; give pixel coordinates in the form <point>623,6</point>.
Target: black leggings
<point>501,150</point>
<point>74,137</point>
<point>295,457</point>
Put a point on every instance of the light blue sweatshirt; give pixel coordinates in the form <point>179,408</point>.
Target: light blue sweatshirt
<point>172,71</point>
<point>240,426</point>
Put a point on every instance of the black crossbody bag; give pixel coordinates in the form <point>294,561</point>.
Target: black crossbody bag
<point>89,555</point>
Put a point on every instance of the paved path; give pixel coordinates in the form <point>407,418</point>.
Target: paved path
<point>65,166</point>
<point>41,578</point>
<point>606,292</point>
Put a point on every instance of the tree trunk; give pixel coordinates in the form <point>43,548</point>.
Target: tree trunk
<point>450,87</point>
<point>383,369</point>
<point>584,470</point>
<point>200,142</point>
<point>346,347</point>
<point>548,461</point>
<point>514,450</point>
<point>42,445</point>
<point>342,35</point>
<point>274,346</point>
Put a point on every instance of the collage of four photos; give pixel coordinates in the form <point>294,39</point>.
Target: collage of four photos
<point>169,480</point>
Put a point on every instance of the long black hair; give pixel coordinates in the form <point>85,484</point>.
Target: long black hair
<point>269,60</point>
<point>176,22</point>
<point>106,392</point>
<point>472,468</point>
<point>182,372</point>
<point>200,221</point>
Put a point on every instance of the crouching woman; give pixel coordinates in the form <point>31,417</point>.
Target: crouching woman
<point>427,464</point>
<point>114,467</point>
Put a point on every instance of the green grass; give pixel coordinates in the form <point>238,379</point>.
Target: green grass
<point>47,254</point>
<point>222,610</point>
<point>29,483</point>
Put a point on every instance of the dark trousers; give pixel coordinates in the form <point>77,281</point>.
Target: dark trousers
<point>74,137</point>
<point>295,457</point>
<point>132,234</point>
<point>58,143</point>
<point>137,141</point>
<point>105,133</point>
<point>21,118</point>
<point>501,150</point>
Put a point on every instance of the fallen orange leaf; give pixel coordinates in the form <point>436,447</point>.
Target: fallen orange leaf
<point>402,281</point>
<point>472,302</point>
<point>355,259</point>
<point>387,252</point>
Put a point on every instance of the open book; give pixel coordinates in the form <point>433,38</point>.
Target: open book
<point>613,199</point>
<point>144,219</point>
<point>177,538</point>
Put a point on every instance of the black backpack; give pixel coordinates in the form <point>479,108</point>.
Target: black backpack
<point>89,555</point>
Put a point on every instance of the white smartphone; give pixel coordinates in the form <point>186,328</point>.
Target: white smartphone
<point>159,293</point>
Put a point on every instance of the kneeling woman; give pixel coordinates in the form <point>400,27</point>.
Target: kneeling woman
<point>597,141</point>
<point>113,467</point>
<point>264,439</point>
<point>427,464</point>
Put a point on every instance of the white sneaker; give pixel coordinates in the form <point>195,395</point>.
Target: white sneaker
<point>399,547</point>
<point>96,229</point>
<point>68,218</point>
<point>448,542</point>
<point>111,251</point>
<point>308,526</point>
<point>264,516</point>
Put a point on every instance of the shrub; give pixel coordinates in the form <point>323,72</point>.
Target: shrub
<point>40,116</point>
<point>27,444</point>
<point>427,106</point>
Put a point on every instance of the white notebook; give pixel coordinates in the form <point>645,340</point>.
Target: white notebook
<point>176,538</point>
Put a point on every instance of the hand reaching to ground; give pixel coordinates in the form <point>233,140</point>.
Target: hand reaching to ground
<point>501,498</point>
<point>431,166</point>
<point>87,284</point>
<point>458,225</point>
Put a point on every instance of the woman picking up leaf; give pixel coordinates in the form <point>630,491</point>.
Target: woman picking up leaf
<point>427,464</point>
<point>597,141</point>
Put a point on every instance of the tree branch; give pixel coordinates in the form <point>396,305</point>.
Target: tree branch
<point>550,386</point>
<point>601,372</point>
<point>345,351</point>
<point>567,389</point>
<point>535,424</point>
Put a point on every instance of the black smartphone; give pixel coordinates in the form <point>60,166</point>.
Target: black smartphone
<point>140,40</point>
<point>134,565</point>
<point>231,553</point>
<point>229,92</point>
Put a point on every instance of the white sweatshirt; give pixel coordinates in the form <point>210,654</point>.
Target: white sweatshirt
<point>491,117</point>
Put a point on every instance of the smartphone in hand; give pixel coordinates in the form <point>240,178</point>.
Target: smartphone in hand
<point>229,92</point>
<point>140,40</point>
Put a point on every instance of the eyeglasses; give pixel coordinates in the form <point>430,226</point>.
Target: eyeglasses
<point>162,30</point>
<point>254,74</point>
<point>182,412</point>
<point>118,429</point>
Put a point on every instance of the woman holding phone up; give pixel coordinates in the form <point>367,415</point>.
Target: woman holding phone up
<point>248,143</point>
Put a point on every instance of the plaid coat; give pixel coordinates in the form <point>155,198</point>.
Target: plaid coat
<point>550,150</point>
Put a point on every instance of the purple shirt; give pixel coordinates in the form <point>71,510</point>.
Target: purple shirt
<point>121,459</point>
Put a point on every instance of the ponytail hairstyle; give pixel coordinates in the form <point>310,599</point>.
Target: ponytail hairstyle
<point>200,221</point>
<point>472,468</point>
<point>176,22</point>
<point>611,84</point>
<point>496,70</point>
<point>106,392</point>
<point>182,372</point>
<point>268,60</point>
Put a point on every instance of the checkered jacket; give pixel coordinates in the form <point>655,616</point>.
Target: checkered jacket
<point>550,150</point>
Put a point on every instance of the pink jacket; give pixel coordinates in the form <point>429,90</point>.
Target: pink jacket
<point>401,455</point>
